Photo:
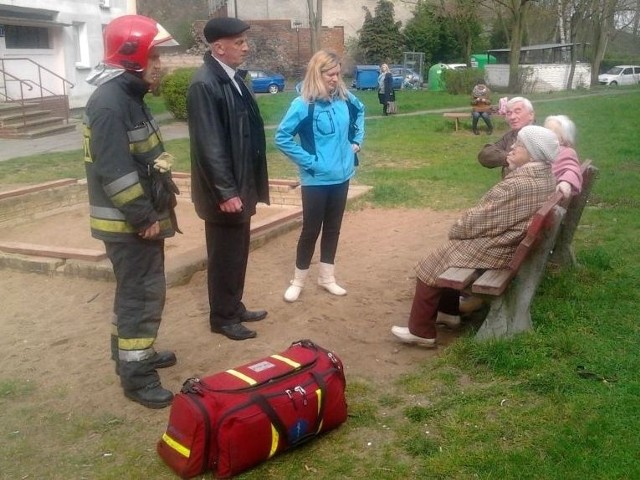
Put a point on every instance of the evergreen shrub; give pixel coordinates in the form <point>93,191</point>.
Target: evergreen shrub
<point>174,91</point>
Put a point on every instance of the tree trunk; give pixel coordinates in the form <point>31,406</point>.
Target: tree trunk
<point>315,24</point>
<point>518,10</point>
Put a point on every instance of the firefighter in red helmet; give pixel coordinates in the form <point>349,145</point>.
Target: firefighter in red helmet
<point>132,198</point>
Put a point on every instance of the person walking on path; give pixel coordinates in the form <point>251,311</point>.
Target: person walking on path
<point>329,121</point>
<point>228,171</point>
<point>131,197</point>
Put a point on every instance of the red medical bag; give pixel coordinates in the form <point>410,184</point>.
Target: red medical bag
<point>233,420</point>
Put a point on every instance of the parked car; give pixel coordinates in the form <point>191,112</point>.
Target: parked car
<point>620,75</point>
<point>264,81</point>
<point>405,77</point>
<point>456,66</point>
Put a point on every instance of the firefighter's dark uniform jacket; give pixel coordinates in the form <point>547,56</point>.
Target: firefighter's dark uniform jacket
<point>121,140</point>
<point>228,153</point>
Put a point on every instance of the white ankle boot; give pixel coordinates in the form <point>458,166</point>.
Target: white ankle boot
<point>327,280</point>
<point>293,292</point>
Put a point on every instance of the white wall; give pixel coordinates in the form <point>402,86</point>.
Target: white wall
<point>544,78</point>
<point>84,15</point>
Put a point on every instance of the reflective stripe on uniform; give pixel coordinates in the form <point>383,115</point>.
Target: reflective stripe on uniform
<point>106,213</point>
<point>125,181</point>
<point>124,189</point>
<point>127,351</point>
<point>121,226</point>
<point>242,376</point>
<point>178,447</point>
<point>86,137</point>
<point>113,226</point>
<point>127,195</point>
<point>143,140</point>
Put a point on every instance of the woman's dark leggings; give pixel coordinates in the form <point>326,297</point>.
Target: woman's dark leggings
<point>322,209</point>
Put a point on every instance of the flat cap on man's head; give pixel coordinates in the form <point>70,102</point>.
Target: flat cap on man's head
<point>222,27</point>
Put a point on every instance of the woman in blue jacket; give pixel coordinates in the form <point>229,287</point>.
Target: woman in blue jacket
<point>329,121</point>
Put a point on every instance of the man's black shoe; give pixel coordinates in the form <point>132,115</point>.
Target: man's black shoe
<point>253,316</point>
<point>152,396</point>
<point>237,331</point>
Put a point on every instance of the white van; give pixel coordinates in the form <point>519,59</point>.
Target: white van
<point>621,75</point>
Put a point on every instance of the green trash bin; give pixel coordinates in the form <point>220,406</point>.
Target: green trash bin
<point>479,60</point>
<point>435,82</point>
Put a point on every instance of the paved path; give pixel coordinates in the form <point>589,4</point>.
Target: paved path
<point>65,142</point>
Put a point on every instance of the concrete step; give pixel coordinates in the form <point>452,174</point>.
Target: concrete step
<point>51,129</point>
<point>16,118</point>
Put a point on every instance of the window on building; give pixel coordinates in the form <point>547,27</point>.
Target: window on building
<point>81,43</point>
<point>17,36</point>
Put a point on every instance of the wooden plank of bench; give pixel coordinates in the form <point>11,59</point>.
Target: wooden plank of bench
<point>493,282</point>
<point>563,253</point>
<point>457,278</point>
<point>539,222</point>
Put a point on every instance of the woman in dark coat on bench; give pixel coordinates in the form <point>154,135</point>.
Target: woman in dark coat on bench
<point>487,235</point>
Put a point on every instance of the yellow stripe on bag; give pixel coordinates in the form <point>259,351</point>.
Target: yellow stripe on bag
<point>286,360</point>
<point>181,449</point>
<point>242,376</point>
<point>275,439</point>
<point>319,395</point>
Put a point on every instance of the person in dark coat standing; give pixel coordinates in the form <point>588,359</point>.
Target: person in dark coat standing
<point>386,93</point>
<point>131,197</point>
<point>228,171</point>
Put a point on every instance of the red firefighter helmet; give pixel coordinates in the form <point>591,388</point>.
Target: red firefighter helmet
<point>129,39</point>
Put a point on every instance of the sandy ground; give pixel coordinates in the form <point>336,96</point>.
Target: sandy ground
<point>54,331</point>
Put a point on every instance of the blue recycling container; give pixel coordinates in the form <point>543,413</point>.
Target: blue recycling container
<point>365,77</point>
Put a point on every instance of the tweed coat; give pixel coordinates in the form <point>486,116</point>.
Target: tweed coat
<point>487,235</point>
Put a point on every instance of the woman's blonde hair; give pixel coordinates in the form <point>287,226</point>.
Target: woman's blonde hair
<point>384,68</point>
<point>313,87</point>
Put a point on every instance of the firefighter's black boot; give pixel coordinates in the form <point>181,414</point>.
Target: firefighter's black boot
<point>141,383</point>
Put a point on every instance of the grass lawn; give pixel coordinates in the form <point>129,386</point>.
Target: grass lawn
<point>508,409</point>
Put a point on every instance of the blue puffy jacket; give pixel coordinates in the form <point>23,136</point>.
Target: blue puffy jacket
<point>324,154</point>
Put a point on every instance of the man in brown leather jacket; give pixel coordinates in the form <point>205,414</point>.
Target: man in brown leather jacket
<point>228,171</point>
<point>519,114</point>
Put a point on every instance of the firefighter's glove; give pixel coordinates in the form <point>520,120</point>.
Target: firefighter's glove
<point>163,163</point>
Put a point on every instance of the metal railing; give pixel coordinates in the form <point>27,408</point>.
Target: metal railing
<point>31,83</point>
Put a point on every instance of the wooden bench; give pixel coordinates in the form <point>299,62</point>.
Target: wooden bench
<point>562,253</point>
<point>457,116</point>
<point>510,291</point>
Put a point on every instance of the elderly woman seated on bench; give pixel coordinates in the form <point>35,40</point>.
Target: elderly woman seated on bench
<point>487,235</point>
<point>566,166</point>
